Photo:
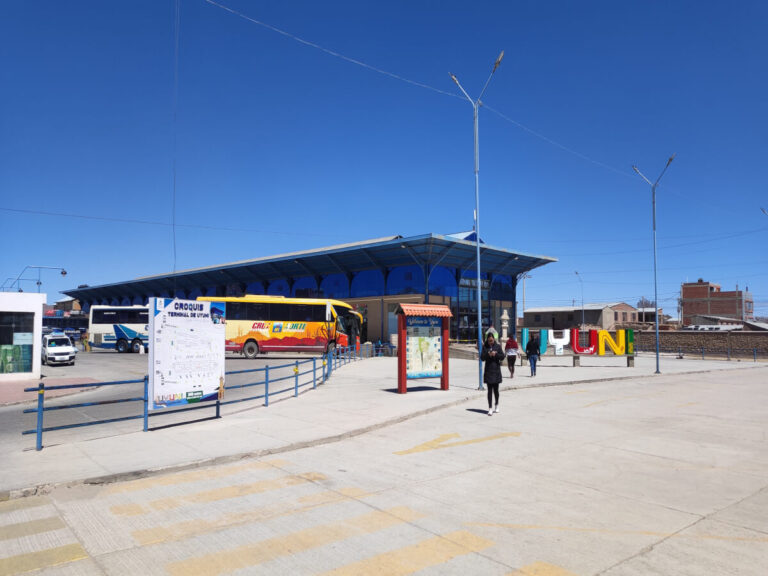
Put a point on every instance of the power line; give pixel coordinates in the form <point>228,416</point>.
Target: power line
<point>176,32</point>
<point>331,52</point>
<point>158,223</point>
<point>425,86</point>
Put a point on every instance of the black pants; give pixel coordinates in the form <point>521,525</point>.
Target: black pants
<point>493,390</point>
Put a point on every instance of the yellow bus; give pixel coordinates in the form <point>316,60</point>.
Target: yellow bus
<point>257,323</point>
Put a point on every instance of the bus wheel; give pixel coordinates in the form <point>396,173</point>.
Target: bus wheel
<point>121,346</point>
<point>136,346</point>
<point>250,350</point>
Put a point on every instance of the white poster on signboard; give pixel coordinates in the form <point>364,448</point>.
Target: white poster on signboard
<point>423,347</point>
<point>186,352</point>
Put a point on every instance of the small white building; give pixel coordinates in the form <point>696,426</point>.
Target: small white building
<point>21,333</point>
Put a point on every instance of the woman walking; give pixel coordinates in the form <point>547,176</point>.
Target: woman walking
<point>510,349</point>
<point>532,351</point>
<point>492,355</point>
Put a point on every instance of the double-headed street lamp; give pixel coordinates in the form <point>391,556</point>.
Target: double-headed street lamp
<point>655,284</point>
<point>582,297</point>
<point>39,269</point>
<point>475,107</point>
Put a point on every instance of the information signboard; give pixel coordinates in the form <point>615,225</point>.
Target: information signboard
<point>423,347</point>
<point>186,352</point>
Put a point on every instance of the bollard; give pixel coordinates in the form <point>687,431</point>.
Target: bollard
<point>266,385</point>
<point>146,403</point>
<point>40,404</point>
<point>754,353</point>
<point>314,373</point>
<point>702,352</point>
<point>296,379</point>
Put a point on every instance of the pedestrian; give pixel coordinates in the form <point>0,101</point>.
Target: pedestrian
<point>492,356</point>
<point>511,348</point>
<point>532,351</point>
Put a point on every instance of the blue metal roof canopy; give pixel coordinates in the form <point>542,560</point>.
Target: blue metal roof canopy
<point>449,251</point>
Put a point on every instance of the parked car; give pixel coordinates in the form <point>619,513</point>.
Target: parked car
<point>58,349</point>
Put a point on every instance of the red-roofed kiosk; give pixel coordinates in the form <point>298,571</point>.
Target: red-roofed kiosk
<point>423,343</point>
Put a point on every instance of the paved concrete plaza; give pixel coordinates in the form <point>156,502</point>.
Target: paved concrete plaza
<point>596,470</point>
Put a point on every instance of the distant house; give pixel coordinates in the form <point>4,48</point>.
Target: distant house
<point>706,299</point>
<point>601,316</point>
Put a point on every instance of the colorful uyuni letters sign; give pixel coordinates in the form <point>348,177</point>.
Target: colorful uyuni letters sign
<point>599,342</point>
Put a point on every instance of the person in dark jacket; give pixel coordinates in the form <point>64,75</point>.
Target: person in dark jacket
<point>493,356</point>
<point>532,351</point>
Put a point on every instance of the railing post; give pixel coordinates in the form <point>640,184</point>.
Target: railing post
<point>296,379</point>
<point>754,353</point>
<point>40,405</point>
<point>702,352</point>
<point>266,385</point>
<point>314,373</point>
<point>729,352</point>
<point>146,403</point>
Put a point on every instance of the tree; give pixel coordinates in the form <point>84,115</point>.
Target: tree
<point>645,303</point>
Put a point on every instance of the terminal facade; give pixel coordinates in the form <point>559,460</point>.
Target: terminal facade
<point>373,275</point>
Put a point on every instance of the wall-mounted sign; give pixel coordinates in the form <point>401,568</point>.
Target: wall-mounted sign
<point>186,352</point>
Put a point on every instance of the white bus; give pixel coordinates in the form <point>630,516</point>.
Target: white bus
<point>123,328</point>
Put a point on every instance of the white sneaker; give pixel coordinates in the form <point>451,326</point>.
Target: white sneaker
<point>490,411</point>
<point>496,410</point>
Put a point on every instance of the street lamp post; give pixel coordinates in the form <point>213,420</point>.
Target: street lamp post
<point>475,107</point>
<point>582,298</point>
<point>39,269</point>
<point>655,283</point>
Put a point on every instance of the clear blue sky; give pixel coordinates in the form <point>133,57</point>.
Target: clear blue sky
<point>282,146</point>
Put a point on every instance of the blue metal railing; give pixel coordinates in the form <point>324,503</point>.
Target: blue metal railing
<point>300,368</point>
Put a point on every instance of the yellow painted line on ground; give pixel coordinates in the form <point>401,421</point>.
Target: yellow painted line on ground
<point>686,404</point>
<point>621,532</point>
<point>427,553</point>
<point>23,503</point>
<point>266,550</point>
<point>442,442</point>
<point>190,528</point>
<point>190,476</point>
<point>577,391</point>
<point>620,398</point>
<point>126,510</point>
<point>541,569</point>
<point>43,559</point>
<point>224,493</point>
<point>254,488</point>
<point>31,527</point>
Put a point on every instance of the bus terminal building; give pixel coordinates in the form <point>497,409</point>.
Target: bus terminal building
<point>373,275</point>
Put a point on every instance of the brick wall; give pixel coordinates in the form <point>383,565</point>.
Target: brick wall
<point>711,341</point>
